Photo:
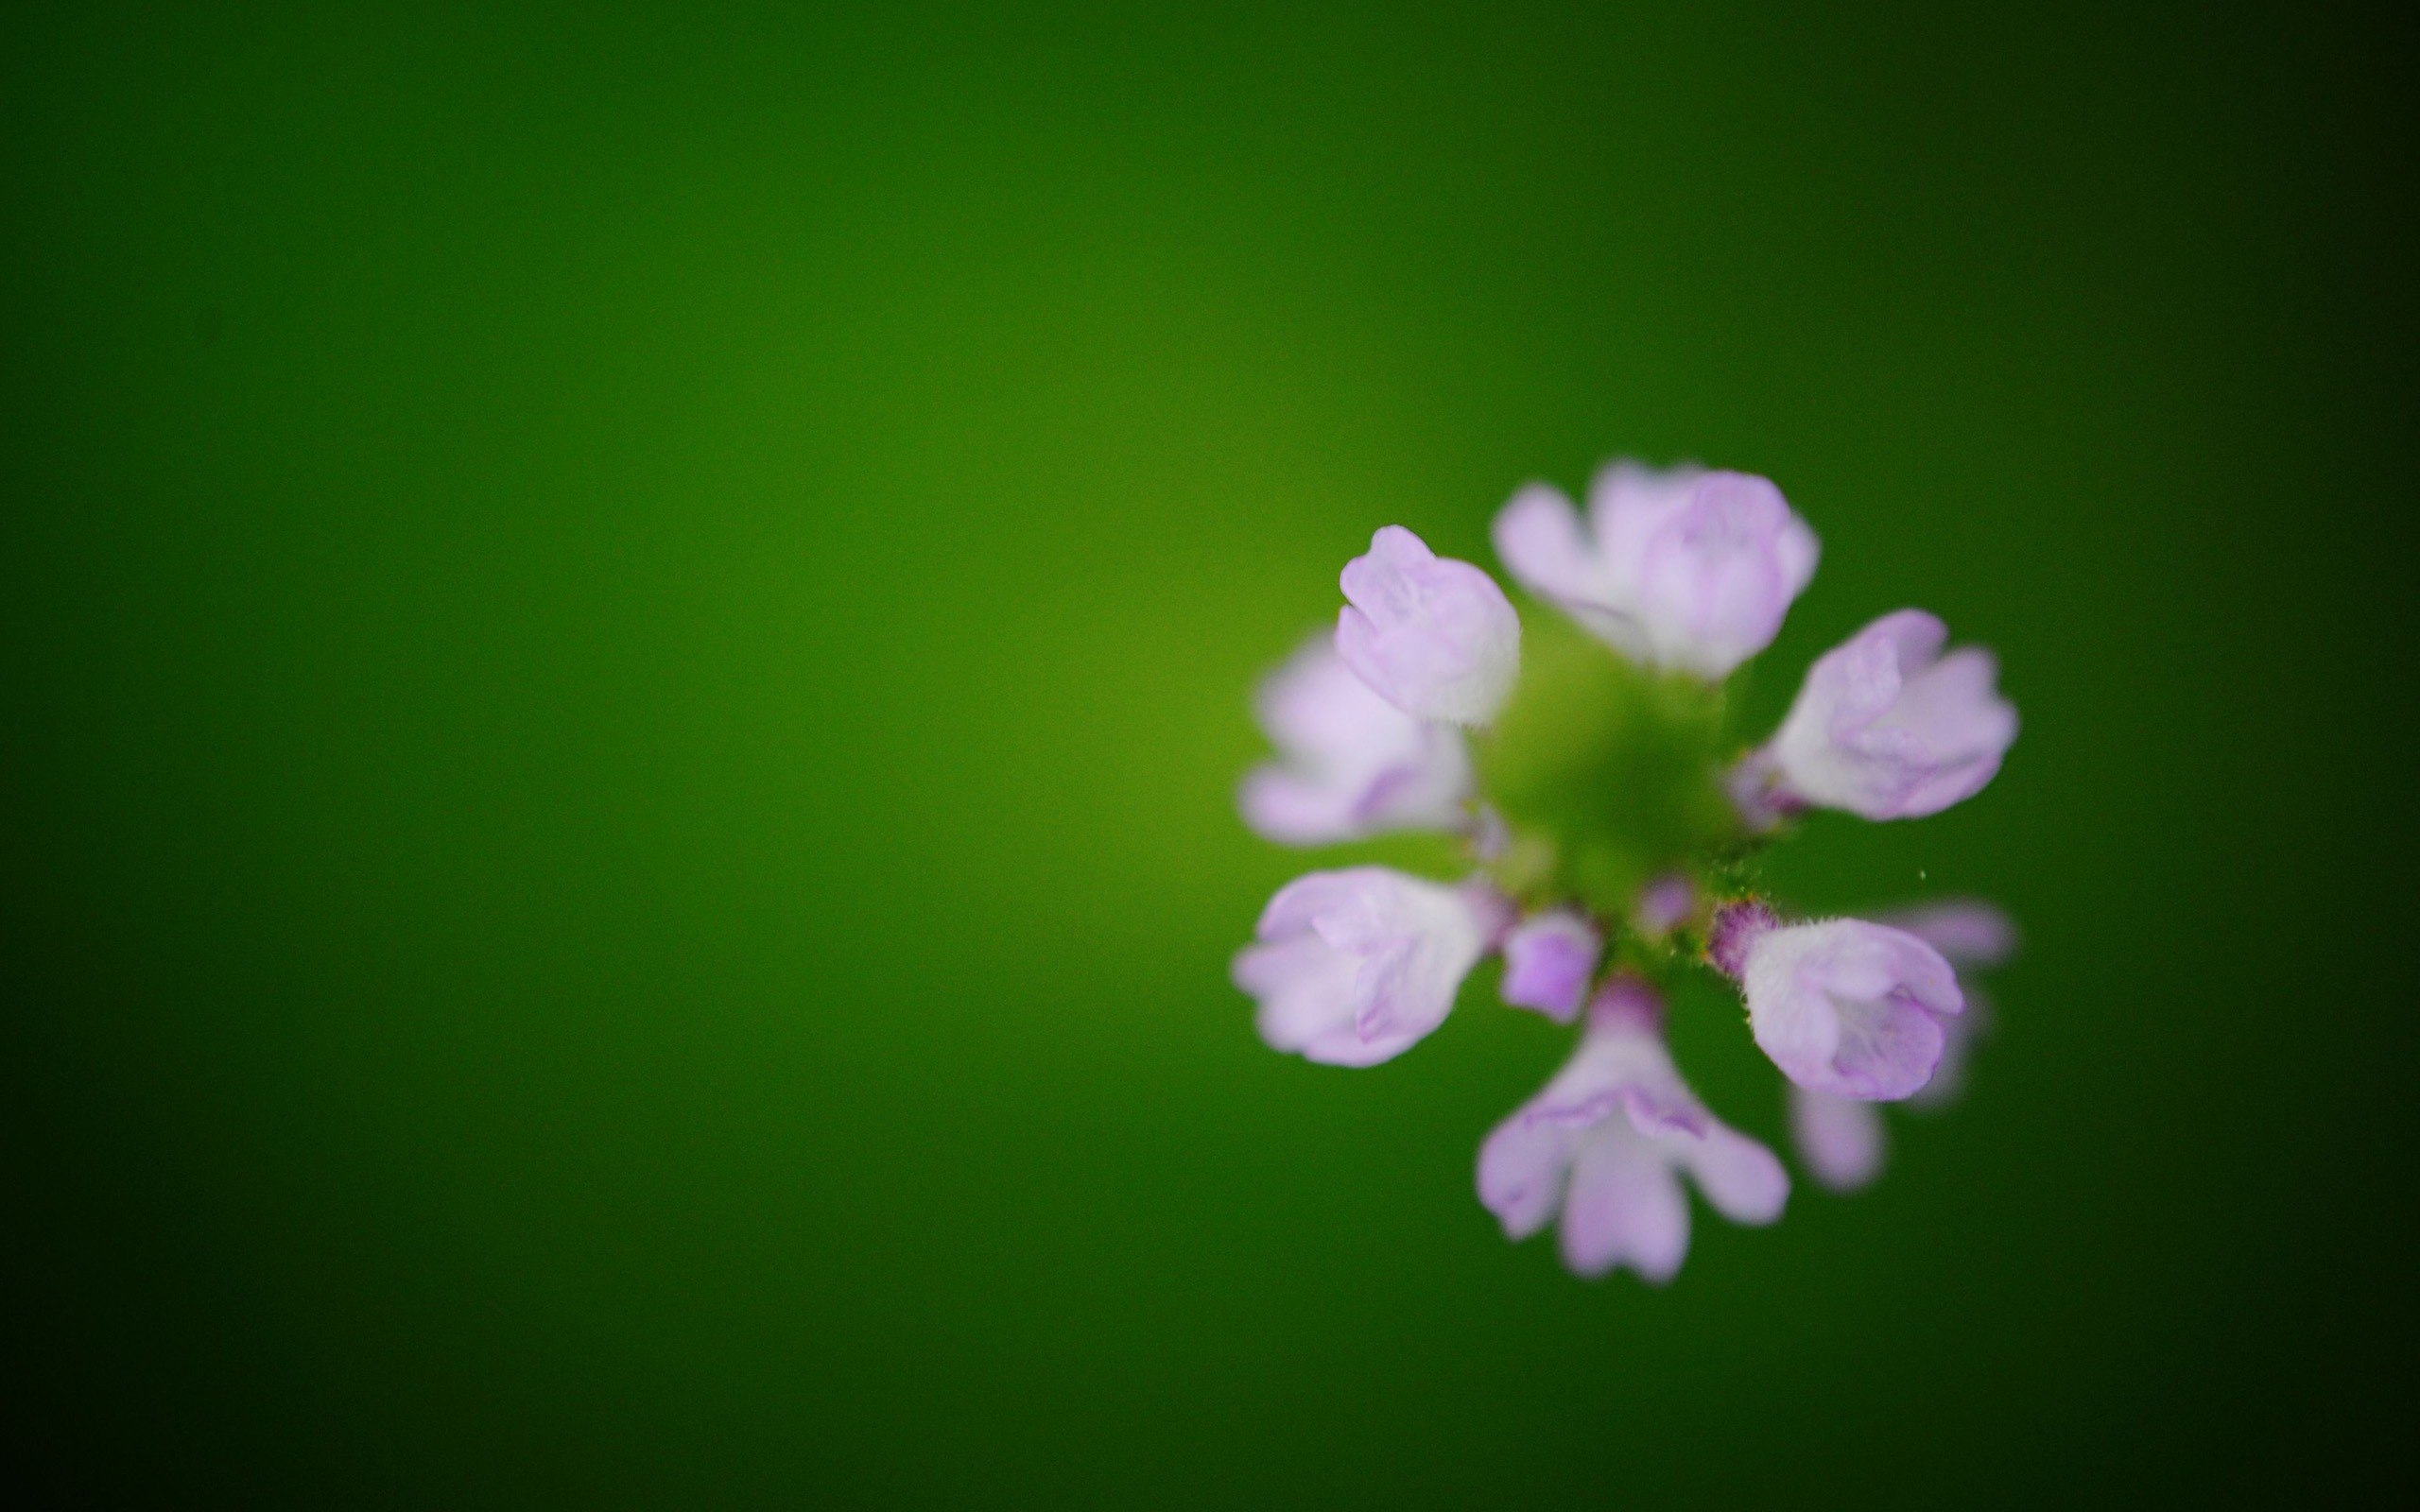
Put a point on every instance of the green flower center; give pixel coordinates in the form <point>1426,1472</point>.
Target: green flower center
<point>1606,774</point>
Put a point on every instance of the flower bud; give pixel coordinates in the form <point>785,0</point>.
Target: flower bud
<point>1356,967</point>
<point>1433,636</point>
<point>1842,1006</point>
<point>1886,726</point>
<point>1548,960</point>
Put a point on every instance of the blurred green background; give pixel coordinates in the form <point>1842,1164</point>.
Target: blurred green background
<point>627,635</point>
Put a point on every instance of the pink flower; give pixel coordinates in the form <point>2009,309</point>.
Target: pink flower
<point>1605,1143</point>
<point>1433,636</point>
<point>1842,1006</point>
<point>1885,727</point>
<point>1841,1139</point>
<point>1683,569</point>
<point>1356,967</point>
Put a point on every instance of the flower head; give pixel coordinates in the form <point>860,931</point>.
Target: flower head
<point>1350,764</point>
<point>1354,967</point>
<point>1433,636</point>
<point>1605,796</point>
<point>1683,569</point>
<point>1605,1143</point>
<point>1842,1006</point>
<point>1886,726</point>
<point>1548,958</point>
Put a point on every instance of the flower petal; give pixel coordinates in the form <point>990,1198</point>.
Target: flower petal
<point>1840,1139</point>
<point>1624,1208</point>
<point>1548,960</point>
<point>1741,1180</point>
<point>1537,535</point>
<point>1522,1167</point>
<point>1354,967</point>
<point>1713,578</point>
<point>1967,932</point>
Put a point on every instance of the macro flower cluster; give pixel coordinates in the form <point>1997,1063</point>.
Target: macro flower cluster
<point>1609,822</point>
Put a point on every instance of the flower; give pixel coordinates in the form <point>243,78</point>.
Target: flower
<point>1604,1144</point>
<point>1885,727</point>
<point>1683,569</point>
<point>1842,1006</point>
<point>1547,961</point>
<point>1433,636</point>
<point>1841,1139</point>
<point>1350,764</point>
<point>1354,967</point>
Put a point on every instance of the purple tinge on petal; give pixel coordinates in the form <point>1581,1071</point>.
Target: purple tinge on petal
<point>1888,728</point>
<point>1849,1007</point>
<point>1354,967</point>
<point>1350,764</point>
<point>1548,960</point>
<point>1840,1139</point>
<point>1622,1070</point>
<point>1433,636</point>
<point>1737,926</point>
<point>1626,1005</point>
